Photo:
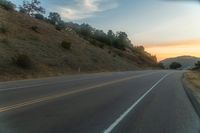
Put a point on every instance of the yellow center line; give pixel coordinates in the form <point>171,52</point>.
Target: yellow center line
<point>47,98</point>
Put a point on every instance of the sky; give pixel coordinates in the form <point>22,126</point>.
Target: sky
<point>167,28</point>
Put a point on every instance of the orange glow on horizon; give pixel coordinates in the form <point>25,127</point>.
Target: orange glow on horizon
<point>175,49</point>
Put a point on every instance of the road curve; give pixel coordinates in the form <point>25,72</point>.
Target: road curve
<point>152,101</point>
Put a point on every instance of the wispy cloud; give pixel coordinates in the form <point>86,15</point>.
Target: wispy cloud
<point>85,8</point>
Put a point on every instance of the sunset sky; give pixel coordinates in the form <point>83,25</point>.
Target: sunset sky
<point>166,28</point>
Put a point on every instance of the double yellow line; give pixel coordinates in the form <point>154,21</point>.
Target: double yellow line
<point>47,98</point>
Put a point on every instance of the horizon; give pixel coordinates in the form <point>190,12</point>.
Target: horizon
<point>165,28</point>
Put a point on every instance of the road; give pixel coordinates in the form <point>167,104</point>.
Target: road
<point>151,101</point>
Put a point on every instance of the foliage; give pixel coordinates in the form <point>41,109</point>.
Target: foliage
<point>86,30</point>
<point>5,41</point>
<point>197,65</point>
<point>54,18</point>
<point>119,40</point>
<point>122,42</point>
<point>175,65</point>
<point>7,5</point>
<point>139,48</point>
<point>23,61</point>
<point>35,28</point>
<point>3,28</point>
<point>32,8</point>
<point>161,65</point>
<point>66,45</point>
<point>39,16</point>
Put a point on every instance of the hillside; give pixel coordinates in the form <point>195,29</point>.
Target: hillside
<point>186,61</point>
<point>21,34</point>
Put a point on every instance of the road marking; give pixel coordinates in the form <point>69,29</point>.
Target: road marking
<point>45,84</point>
<point>53,83</point>
<point>118,120</point>
<point>47,98</point>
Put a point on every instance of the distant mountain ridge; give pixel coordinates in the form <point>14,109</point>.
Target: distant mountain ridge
<point>185,61</point>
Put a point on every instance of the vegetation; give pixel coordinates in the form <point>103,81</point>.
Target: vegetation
<point>197,65</point>
<point>93,49</point>
<point>119,40</point>
<point>175,65</point>
<point>7,5</point>
<point>66,45</point>
<point>39,16</point>
<point>32,8</point>
<point>3,28</point>
<point>5,41</point>
<point>35,28</point>
<point>54,18</point>
<point>161,65</point>
<point>23,61</point>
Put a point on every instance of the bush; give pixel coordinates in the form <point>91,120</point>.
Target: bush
<point>35,28</point>
<point>59,28</point>
<point>23,61</point>
<point>7,5</point>
<point>161,65</point>
<point>175,65</point>
<point>197,65</point>
<point>66,45</point>
<point>5,41</point>
<point>3,29</point>
<point>39,16</point>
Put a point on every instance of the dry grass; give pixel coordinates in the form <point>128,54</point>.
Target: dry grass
<point>42,45</point>
<point>193,77</point>
<point>43,48</point>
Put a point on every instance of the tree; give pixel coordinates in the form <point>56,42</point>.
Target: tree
<point>111,37</point>
<point>161,65</point>
<point>60,25</point>
<point>7,5</point>
<point>39,16</point>
<point>197,65</point>
<point>122,41</point>
<point>100,36</point>
<point>54,18</point>
<point>175,65</point>
<point>86,30</point>
<point>32,8</point>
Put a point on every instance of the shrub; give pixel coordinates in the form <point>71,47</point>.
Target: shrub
<point>59,28</point>
<point>7,5</point>
<point>35,28</point>
<point>66,45</point>
<point>5,41</point>
<point>23,61</point>
<point>175,65</point>
<point>101,46</point>
<point>39,16</point>
<point>3,29</point>
<point>197,65</point>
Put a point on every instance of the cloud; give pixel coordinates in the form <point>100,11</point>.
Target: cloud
<point>175,48</point>
<point>85,8</point>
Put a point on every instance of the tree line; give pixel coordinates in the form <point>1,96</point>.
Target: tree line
<point>34,9</point>
<point>119,40</point>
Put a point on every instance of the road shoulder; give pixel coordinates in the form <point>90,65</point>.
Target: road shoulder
<point>191,83</point>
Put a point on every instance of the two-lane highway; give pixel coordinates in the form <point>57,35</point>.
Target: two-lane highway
<point>151,101</point>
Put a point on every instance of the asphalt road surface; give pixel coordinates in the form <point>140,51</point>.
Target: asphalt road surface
<point>151,101</point>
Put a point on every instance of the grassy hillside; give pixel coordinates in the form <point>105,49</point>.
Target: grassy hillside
<point>21,34</point>
<point>185,61</point>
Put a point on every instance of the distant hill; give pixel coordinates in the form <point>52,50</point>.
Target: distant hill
<point>40,41</point>
<point>186,61</point>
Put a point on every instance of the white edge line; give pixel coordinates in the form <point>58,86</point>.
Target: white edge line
<point>118,120</point>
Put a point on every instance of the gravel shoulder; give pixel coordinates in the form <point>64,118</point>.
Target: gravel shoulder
<point>191,82</point>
